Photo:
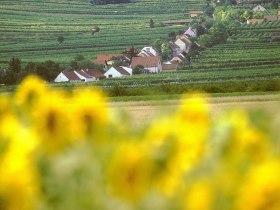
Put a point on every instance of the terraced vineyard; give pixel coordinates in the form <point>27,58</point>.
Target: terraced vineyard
<point>29,28</point>
<point>248,55</point>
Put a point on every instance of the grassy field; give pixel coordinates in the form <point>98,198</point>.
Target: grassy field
<point>29,29</point>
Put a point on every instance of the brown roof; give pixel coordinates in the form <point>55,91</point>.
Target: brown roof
<point>94,73</point>
<point>169,67</point>
<point>84,74</point>
<point>146,62</point>
<point>100,59</point>
<point>122,71</point>
<point>71,75</point>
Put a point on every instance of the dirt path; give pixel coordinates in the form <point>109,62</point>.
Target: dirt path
<point>144,111</point>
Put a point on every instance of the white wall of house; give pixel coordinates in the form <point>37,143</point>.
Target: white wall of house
<point>84,79</point>
<point>181,44</point>
<point>61,78</point>
<point>155,69</point>
<point>112,73</point>
<point>259,8</point>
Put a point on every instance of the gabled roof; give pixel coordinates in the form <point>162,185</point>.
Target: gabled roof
<point>174,46</point>
<point>100,59</point>
<point>146,62</point>
<point>191,32</point>
<point>70,75</point>
<point>122,71</point>
<point>94,73</point>
<point>84,74</point>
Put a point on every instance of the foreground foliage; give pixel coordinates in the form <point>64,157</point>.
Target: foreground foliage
<point>72,151</point>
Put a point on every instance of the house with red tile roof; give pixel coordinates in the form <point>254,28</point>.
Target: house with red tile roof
<point>116,72</point>
<point>95,73</point>
<point>150,64</point>
<point>103,58</point>
<point>67,76</point>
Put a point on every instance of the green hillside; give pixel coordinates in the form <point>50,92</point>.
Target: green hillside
<point>29,28</point>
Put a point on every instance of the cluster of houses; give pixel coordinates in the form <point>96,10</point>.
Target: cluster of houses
<point>147,60</point>
<point>266,17</point>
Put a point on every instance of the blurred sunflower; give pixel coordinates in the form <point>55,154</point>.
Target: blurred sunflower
<point>19,183</point>
<point>29,92</point>
<point>129,172</point>
<point>261,188</point>
<point>51,122</point>
<point>200,196</point>
<point>90,114</point>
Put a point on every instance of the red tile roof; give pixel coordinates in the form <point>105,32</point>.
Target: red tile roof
<point>146,62</point>
<point>100,59</point>
<point>71,75</point>
<point>94,73</point>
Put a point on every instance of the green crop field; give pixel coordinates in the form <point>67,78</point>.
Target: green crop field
<point>29,28</point>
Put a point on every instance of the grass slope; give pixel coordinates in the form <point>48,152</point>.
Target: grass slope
<point>29,28</point>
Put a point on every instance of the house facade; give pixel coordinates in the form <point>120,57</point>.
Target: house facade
<point>150,64</point>
<point>259,8</point>
<point>84,76</point>
<point>184,43</point>
<point>117,72</point>
<point>255,21</point>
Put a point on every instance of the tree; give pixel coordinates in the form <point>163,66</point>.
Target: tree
<point>48,70</point>
<point>15,65</point>
<point>94,30</point>
<point>138,69</point>
<point>152,24</point>
<point>274,5</point>
<point>60,39</point>
<point>166,50</point>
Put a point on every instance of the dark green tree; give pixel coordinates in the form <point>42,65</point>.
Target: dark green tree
<point>138,69</point>
<point>60,39</point>
<point>15,65</point>
<point>152,24</point>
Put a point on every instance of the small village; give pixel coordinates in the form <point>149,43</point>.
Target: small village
<point>149,60</point>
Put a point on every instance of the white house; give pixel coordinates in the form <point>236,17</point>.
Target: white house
<point>150,64</point>
<point>148,52</point>
<point>184,43</point>
<point>84,76</point>
<point>115,72</point>
<point>191,32</point>
<point>67,76</point>
<point>259,8</point>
